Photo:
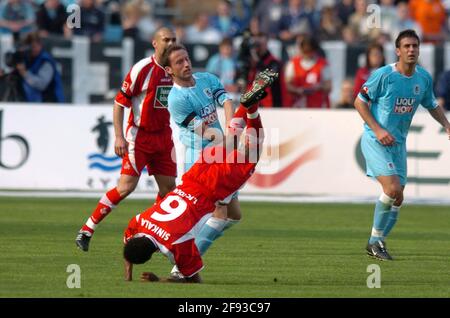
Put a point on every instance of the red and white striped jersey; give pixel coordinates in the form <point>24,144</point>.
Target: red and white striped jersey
<point>145,90</point>
<point>173,224</point>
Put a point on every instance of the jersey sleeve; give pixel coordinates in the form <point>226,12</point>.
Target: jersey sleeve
<point>187,258</point>
<point>127,91</point>
<point>429,100</point>
<point>371,89</point>
<point>131,229</point>
<point>182,113</point>
<point>218,92</point>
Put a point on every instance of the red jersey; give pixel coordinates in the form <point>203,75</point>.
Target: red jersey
<point>310,77</point>
<point>224,176</point>
<point>145,90</point>
<point>173,223</point>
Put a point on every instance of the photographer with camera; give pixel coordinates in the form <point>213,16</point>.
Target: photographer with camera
<point>254,56</point>
<point>38,74</point>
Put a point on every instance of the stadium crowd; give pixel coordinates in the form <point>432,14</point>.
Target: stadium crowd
<point>305,80</point>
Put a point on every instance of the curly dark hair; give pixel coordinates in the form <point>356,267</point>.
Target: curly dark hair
<point>139,250</point>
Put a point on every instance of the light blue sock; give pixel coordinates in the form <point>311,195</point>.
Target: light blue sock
<point>393,217</point>
<point>212,230</point>
<point>381,217</point>
<point>230,223</point>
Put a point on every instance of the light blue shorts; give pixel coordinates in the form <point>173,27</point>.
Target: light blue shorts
<point>384,160</point>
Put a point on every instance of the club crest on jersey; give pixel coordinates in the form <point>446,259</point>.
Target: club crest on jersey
<point>416,89</point>
<point>125,86</point>
<point>207,92</point>
<point>404,105</point>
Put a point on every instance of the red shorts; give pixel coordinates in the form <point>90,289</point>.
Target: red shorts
<point>156,151</point>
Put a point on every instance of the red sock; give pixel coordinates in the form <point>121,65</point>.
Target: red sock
<point>104,206</point>
<point>254,121</point>
<point>252,108</point>
<point>255,134</point>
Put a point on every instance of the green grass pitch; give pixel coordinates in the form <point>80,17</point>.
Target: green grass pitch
<point>278,250</point>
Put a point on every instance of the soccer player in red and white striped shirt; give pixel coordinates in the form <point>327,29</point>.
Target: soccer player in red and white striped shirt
<point>148,137</point>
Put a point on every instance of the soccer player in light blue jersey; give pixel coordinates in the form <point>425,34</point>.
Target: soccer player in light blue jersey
<point>387,103</point>
<point>192,104</point>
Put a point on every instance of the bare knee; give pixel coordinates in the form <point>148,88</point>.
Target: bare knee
<point>399,199</point>
<point>220,212</point>
<point>165,184</point>
<point>234,210</point>
<point>126,186</point>
<point>394,191</point>
<point>166,188</point>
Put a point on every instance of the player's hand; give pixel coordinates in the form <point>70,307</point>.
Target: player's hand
<point>448,132</point>
<point>384,137</point>
<point>120,146</point>
<point>149,277</point>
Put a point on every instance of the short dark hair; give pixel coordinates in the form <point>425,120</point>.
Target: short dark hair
<point>409,33</point>
<point>32,37</point>
<point>139,250</point>
<point>166,56</point>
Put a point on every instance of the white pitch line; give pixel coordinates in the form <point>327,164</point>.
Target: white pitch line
<point>242,197</point>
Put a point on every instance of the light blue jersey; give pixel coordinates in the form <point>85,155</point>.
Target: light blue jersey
<point>394,99</point>
<point>189,107</point>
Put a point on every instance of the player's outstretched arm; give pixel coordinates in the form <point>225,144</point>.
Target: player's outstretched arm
<point>120,144</point>
<point>128,271</point>
<point>439,115</point>
<point>151,277</point>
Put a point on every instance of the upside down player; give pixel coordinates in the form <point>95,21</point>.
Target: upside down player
<point>171,225</point>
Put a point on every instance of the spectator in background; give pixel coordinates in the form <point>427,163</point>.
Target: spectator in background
<point>92,21</point>
<point>268,13</point>
<point>310,7</point>
<point>16,17</point>
<point>51,19</point>
<point>431,16</point>
<point>345,9</point>
<point>295,21</point>
<point>330,28</point>
<point>180,30</point>
<point>388,17</point>
<point>374,60</point>
<point>242,10</point>
<point>202,32</point>
<point>308,76</point>
<point>41,81</point>
<point>349,35</point>
<point>404,21</point>
<point>223,65</point>
<point>443,90</point>
<point>224,22</point>
<point>346,99</point>
<point>361,23</point>
<point>261,59</point>
<point>136,20</point>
